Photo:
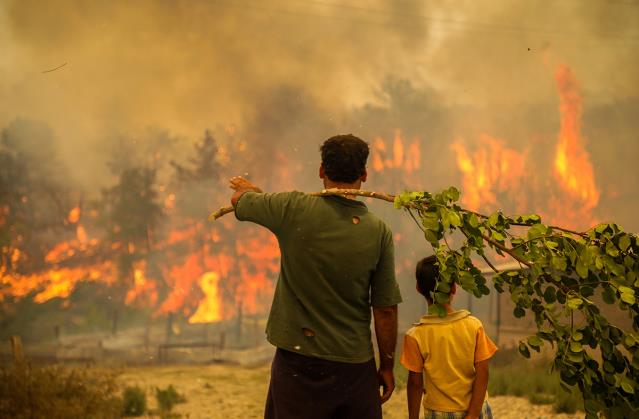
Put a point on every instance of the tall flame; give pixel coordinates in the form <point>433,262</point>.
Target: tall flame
<point>491,169</point>
<point>573,168</point>
<point>209,309</point>
<point>494,169</point>
<point>399,156</point>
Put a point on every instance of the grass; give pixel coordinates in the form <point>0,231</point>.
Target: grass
<point>512,375</point>
<point>28,391</point>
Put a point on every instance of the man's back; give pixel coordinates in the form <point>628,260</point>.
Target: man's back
<point>337,261</point>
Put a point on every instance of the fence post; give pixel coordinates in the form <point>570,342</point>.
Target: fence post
<point>16,348</point>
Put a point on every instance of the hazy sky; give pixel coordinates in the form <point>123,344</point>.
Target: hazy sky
<point>186,66</point>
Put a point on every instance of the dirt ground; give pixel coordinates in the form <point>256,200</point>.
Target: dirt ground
<point>230,392</point>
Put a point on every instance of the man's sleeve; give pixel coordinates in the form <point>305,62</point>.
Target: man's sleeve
<point>485,348</point>
<point>412,358</point>
<point>266,209</point>
<point>384,287</point>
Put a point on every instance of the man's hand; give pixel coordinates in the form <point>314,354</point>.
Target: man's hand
<point>238,183</point>
<point>387,382</point>
<point>241,185</point>
<point>385,319</point>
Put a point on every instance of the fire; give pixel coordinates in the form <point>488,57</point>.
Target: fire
<point>492,169</point>
<point>209,309</point>
<point>56,282</point>
<point>74,215</point>
<point>573,168</point>
<point>399,156</point>
<point>144,291</point>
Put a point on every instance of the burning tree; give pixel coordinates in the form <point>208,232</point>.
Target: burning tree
<point>132,214</point>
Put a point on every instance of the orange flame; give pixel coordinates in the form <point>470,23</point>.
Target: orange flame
<point>209,309</point>
<point>400,157</point>
<point>144,291</point>
<point>573,168</point>
<point>494,169</point>
<point>491,169</point>
<point>53,283</point>
<point>74,215</point>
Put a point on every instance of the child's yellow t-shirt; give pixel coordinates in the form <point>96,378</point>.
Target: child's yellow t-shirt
<point>446,349</point>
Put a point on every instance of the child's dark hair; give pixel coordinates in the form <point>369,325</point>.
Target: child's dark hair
<point>427,275</point>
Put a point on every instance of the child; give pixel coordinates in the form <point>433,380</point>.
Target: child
<point>447,358</point>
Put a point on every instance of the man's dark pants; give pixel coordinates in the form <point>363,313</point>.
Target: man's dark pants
<point>310,388</point>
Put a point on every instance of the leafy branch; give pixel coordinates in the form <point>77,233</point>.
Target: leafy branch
<point>561,270</point>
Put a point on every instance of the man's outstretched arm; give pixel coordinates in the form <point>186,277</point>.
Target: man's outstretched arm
<point>385,319</point>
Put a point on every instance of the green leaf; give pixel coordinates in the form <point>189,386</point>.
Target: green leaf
<point>453,219</point>
<point>624,242</point>
<point>586,291</point>
<point>608,295</point>
<point>608,367</point>
<point>453,193</point>
<point>628,298</point>
<point>550,295</point>
<point>536,231</point>
<point>534,341</point>
<point>577,336</point>
<point>443,287</point>
<point>576,357</point>
<point>431,237</point>
<point>574,303</point>
<point>612,250</point>
<point>626,290</point>
<point>559,262</point>
<point>576,347</point>
<point>430,221</point>
<point>627,385</point>
<point>582,269</point>
<point>523,349</point>
<point>519,312</point>
<point>441,298</point>
<point>473,221</point>
<point>441,311</point>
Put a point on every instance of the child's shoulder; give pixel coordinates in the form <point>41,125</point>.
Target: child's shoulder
<point>474,321</point>
<point>459,317</point>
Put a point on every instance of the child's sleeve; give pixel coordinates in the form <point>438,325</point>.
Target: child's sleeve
<point>411,355</point>
<point>485,348</point>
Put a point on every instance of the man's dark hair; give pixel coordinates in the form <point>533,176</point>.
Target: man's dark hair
<point>344,158</point>
<point>427,274</point>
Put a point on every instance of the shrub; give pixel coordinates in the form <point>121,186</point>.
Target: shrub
<point>58,392</point>
<point>168,398</point>
<point>541,398</point>
<point>133,401</point>
<point>568,402</point>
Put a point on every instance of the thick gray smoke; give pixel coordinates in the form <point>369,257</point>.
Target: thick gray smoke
<point>284,74</point>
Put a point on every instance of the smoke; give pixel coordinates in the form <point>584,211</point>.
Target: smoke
<point>287,73</point>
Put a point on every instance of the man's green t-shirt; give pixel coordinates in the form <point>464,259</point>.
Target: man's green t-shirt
<point>337,262</point>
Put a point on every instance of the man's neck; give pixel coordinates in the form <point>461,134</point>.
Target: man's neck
<point>329,184</point>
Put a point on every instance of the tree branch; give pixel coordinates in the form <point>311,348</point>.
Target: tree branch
<point>325,192</point>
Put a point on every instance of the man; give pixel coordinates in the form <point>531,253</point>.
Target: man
<point>337,263</point>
